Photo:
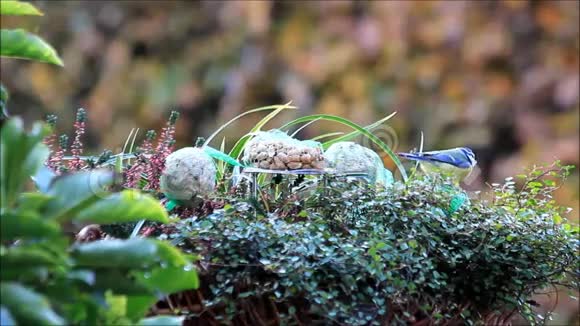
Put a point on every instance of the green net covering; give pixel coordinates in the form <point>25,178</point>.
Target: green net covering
<point>457,200</point>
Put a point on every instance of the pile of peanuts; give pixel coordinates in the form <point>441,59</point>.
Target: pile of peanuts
<point>279,155</point>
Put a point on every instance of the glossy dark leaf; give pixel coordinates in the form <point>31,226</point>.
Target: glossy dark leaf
<point>18,8</point>
<point>126,206</point>
<point>171,279</point>
<point>132,253</point>
<point>27,257</point>
<point>18,43</point>
<point>28,307</point>
<point>77,191</point>
<point>21,156</point>
<point>26,225</point>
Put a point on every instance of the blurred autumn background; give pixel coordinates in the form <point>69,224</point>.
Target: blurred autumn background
<point>499,76</point>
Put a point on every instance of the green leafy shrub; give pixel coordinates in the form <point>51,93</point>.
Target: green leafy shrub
<point>346,252</point>
<point>351,254</point>
<point>47,281</point>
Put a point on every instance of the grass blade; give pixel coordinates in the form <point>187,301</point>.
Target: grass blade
<point>417,163</point>
<point>330,134</point>
<point>239,146</point>
<point>304,126</point>
<point>241,143</point>
<point>355,133</point>
<point>132,146</point>
<point>357,128</point>
<point>277,107</point>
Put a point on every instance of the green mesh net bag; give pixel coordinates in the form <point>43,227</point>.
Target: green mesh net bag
<point>276,150</point>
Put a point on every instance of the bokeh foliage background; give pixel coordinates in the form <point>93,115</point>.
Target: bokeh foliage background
<point>499,76</point>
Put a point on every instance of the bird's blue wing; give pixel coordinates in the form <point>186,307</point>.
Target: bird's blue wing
<point>453,157</point>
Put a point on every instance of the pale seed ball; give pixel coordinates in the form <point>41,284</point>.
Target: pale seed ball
<point>260,148</point>
<point>306,166</point>
<point>188,172</point>
<point>293,152</point>
<point>278,164</point>
<point>294,165</point>
<point>264,165</point>
<point>283,157</point>
<point>261,156</point>
<point>318,164</point>
<point>306,158</point>
<point>294,158</point>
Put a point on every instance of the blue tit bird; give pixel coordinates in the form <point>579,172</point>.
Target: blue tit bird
<point>456,162</point>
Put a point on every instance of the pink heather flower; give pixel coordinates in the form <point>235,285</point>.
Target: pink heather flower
<point>134,173</point>
<point>164,148</point>
<point>141,165</point>
<point>147,146</point>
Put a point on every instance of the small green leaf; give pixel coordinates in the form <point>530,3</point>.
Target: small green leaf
<point>126,206</point>
<point>18,43</point>
<point>28,307</point>
<point>162,320</point>
<point>17,8</point>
